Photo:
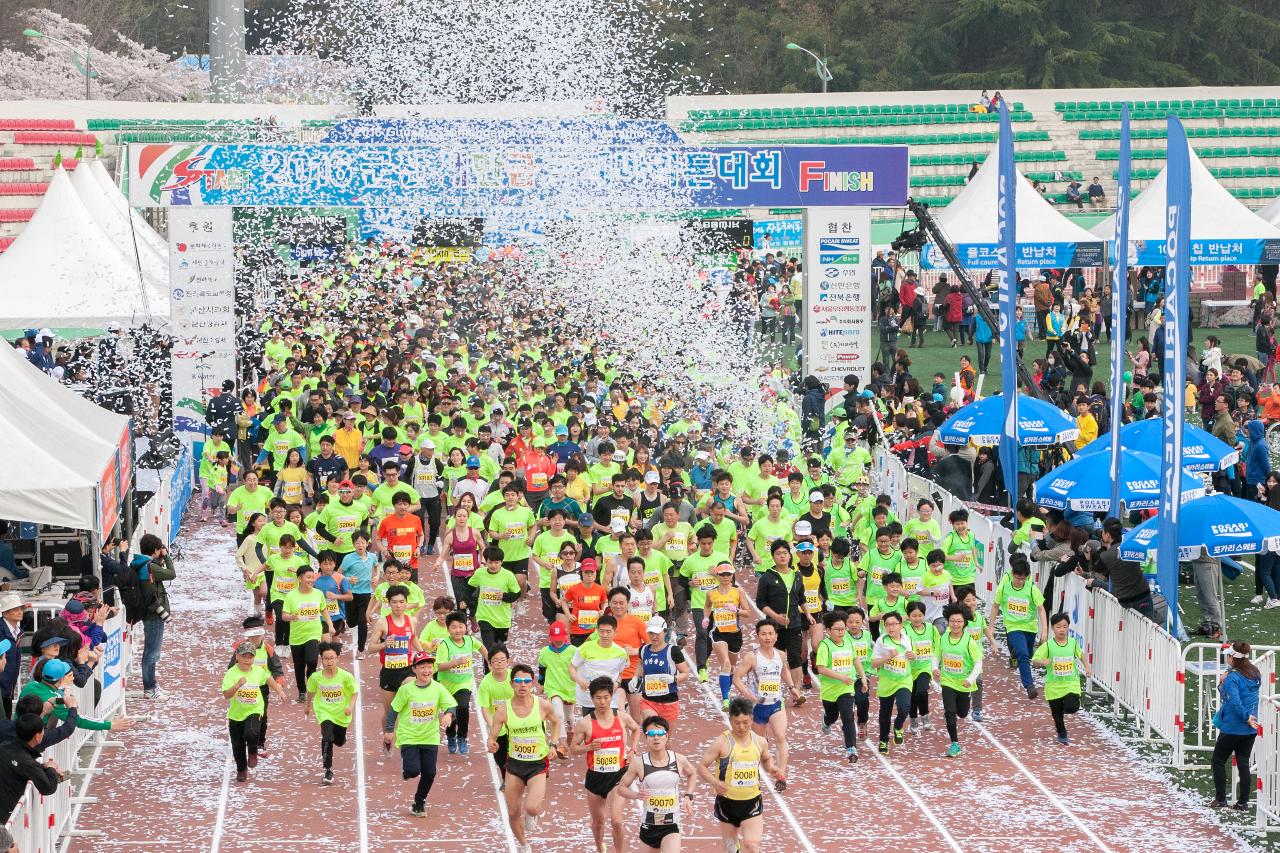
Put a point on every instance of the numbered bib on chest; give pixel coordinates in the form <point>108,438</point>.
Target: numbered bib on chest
<point>587,619</point>
<point>538,481</point>
<point>842,661</point>
<point>812,601</point>
<point>770,688</point>
<point>657,684</point>
<point>841,586</point>
<point>516,529</point>
<point>422,712</point>
<point>1018,606</point>
<point>953,664</point>
<point>661,804</point>
<point>705,582</point>
<point>524,748</point>
<point>726,619</point>
<point>897,665</point>
<point>331,693</point>
<point>607,760</point>
<point>490,596</point>
<point>464,563</point>
<point>744,774</point>
<point>1064,666</point>
<point>248,696</point>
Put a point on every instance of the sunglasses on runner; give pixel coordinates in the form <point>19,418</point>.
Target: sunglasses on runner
<point>525,680</point>
<point>655,732</point>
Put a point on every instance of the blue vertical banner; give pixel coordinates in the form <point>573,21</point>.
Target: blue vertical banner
<point>1177,291</point>
<point>1119,306</point>
<point>1007,255</point>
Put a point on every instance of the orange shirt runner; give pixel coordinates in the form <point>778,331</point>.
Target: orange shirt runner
<point>403,537</point>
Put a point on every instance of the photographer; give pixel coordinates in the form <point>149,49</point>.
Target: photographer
<point>144,584</point>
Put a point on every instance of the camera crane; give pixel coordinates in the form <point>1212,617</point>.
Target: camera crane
<point>929,231</point>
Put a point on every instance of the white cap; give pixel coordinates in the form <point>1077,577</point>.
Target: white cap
<point>426,444</point>
<point>619,456</point>
<point>804,528</point>
<point>653,477</point>
<point>702,454</point>
<point>815,496</point>
<point>113,327</point>
<point>45,333</point>
<point>656,625</point>
<point>618,525</point>
<point>589,419</point>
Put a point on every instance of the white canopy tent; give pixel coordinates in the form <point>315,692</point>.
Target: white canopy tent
<point>1270,213</point>
<point>60,451</point>
<point>63,270</point>
<point>116,199</point>
<point>1226,231</point>
<point>1046,238</point>
<point>116,225</point>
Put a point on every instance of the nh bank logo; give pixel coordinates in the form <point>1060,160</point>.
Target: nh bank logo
<point>815,172</point>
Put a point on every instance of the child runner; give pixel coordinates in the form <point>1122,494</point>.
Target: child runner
<point>892,656</point>
<point>305,611</point>
<point>553,674</point>
<point>924,643</point>
<point>1064,663</point>
<point>1021,604</point>
<point>526,720</point>
<point>731,765</point>
<point>393,639</point>
<point>977,629</point>
<point>658,773</point>
<point>959,661</point>
<point>454,656</point>
<point>498,588</point>
<point>242,685</point>
<point>264,657</point>
<point>495,692</point>
<point>837,667</point>
<point>420,707</point>
<point>333,695</point>
<point>336,589</point>
<point>603,737</point>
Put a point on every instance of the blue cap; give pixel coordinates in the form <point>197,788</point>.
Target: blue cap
<point>53,641</point>
<point>804,546</point>
<point>562,430</point>
<point>54,670</point>
<point>279,419</point>
<point>473,461</point>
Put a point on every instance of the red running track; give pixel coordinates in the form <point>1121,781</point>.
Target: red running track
<point>170,788</point>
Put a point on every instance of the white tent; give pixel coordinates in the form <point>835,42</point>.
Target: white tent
<point>970,222</point>
<point>117,226</point>
<point>1217,217</point>
<point>64,271</point>
<point>117,200</point>
<point>1271,213</point>
<point>58,447</point>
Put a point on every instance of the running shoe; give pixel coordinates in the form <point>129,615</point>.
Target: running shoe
<point>453,746</point>
<point>851,755</point>
<point>243,776</point>
<point>1258,599</point>
<point>302,697</point>
<point>1064,740</point>
<point>530,823</point>
<point>702,674</point>
<point>913,726</point>
<point>953,751</point>
<point>418,811</point>
<point>780,784</point>
<point>328,778</point>
<point>927,722</point>
<point>463,748</point>
<point>826,728</point>
<point>1272,604</point>
<point>155,693</point>
<point>262,750</point>
<point>561,752</point>
<point>271,617</point>
<point>1032,692</point>
<point>808,682</point>
<point>253,759</point>
<point>898,736</point>
<point>976,716</point>
<point>884,747</point>
<point>725,704</point>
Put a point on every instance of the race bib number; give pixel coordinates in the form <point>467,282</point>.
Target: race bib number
<point>308,613</point>
<point>961,558</point>
<point>248,696</point>
<point>524,748</point>
<point>744,774</point>
<point>332,607</point>
<point>1064,667</point>
<point>490,596</point>
<point>347,524</point>
<point>619,512</point>
<point>402,552</point>
<point>877,576</point>
<point>642,612</point>
<point>567,581</point>
<point>538,481</point>
<point>292,489</point>
<point>587,619</point>
<point>726,619</point>
<point>331,694</point>
<point>607,760</point>
<point>897,665</point>
<point>516,529</point>
<point>953,664</point>
<point>770,690</point>
<point>841,586</point>
<point>911,585</point>
<point>464,563</point>
<point>941,594</point>
<point>705,582</point>
<point>842,662</point>
<point>657,684</point>
<point>1018,606</point>
<point>922,648</point>
<point>422,713</point>
<point>661,803</point>
<point>812,601</point>
<point>678,543</point>
<point>425,475</point>
<point>285,584</point>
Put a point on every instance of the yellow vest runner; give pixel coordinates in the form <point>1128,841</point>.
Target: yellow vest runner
<point>526,736</point>
<point>741,770</point>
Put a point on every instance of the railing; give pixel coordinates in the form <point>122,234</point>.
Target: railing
<point>1267,753</point>
<point>45,824</point>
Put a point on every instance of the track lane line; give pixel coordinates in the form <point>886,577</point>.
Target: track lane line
<point>362,810</point>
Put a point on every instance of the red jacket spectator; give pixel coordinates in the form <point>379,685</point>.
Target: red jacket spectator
<point>955,306</point>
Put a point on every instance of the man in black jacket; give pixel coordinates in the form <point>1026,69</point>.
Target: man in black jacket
<point>222,410</point>
<point>778,596</point>
<point>20,764</point>
<point>1124,578</point>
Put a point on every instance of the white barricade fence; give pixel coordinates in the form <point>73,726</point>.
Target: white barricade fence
<point>1266,752</point>
<point>43,824</point>
<point>1202,667</point>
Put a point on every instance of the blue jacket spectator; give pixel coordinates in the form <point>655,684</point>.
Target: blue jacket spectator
<point>1257,462</point>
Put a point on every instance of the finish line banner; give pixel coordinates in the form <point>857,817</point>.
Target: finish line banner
<point>467,180</point>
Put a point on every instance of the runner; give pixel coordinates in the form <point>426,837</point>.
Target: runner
<point>242,685</point>
<point>655,689</point>
<point>400,532</point>
<point>699,570</point>
<point>526,720</point>
<point>658,773</point>
<point>977,629</point>
<point>1063,662</point>
<point>420,707</point>
<point>305,609</point>
<point>361,570</point>
<point>583,603</point>
<point>760,676</point>
<point>337,591</point>
<point>513,526</point>
<point>604,738</point>
<point>963,553</point>
<point>1021,605</point>
<point>334,694</point>
<point>723,609</point>
<point>892,656</point>
<point>393,638</point>
<point>838,666</point>
<point>924,644</point>
<point>547,547</point>
<point>553,674</point>
<point>495,692</point>
<point>958,657</point>
<point>454,654</point>
<point>283,568</point>
<point>498,588</point>
<point>731,765</point>
<point>596,657</point>
<point>643,603</point>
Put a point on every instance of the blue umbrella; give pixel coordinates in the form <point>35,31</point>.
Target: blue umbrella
<point>1220,524</point>
<point>1201,451</point>
<point>1039,423</point>
<point>1084,483</point>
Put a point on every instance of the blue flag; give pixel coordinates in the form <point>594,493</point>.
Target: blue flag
<point>1007,259</point>
<point>1177,291</point>
<point>1119,306</point>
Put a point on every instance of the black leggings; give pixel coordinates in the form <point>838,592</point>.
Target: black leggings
<point>244,739</point>
<point>419,761</point>
<point>1062,706</point>
<point>902,699</point>
<point>461,716</point>
<point>842,708</point>
<point>305,659</point>
<point>861,702</point>
<point>331,735</point>
<point>702,637</point>
<point>1223,748</point>
<point>500,757</point>
<point>491,636</point>
<point>282,627</point>
<point>357,617</point>
<point>955,703</point>
<point>465,596</point>
<point>920,696</point>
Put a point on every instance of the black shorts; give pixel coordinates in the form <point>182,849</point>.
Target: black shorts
<point>733,639</point>
<point>526,770</point>
<point>339,627</point>
<point>735,812</point>
<point>791,640</point>
<point>391,679</point>
<point>651,836</point>
<point>517,567</point>
<point>601,784</point>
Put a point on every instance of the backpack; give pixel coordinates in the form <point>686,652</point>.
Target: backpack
<point>133,594</point>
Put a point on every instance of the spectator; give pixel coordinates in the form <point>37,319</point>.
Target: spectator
<point>1257,462</point>
<point>153,567</point>
<point>55,730</point>
<point>1042,299</point>
<point>941,290</point>
<point>20,764</point>
<point>1073,195</point>
<point>1204,571</point>
<point>813,411</point>
<point>11,609</point>
<point>1097,196</point>
<point>1237,722</point>
<point>1122,578</point>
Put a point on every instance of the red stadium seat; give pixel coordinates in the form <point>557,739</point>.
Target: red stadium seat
<point>52,137</point>
<point>23,188</point>
<point>16,215</point>
<point>6,242</point>
<point>17,164</point>
<point>37,124</point>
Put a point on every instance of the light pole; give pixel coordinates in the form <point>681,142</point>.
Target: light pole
<point>820,66</point>
<point>88,69</point>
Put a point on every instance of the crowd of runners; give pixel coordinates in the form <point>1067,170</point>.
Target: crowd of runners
<point>433,454</point>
